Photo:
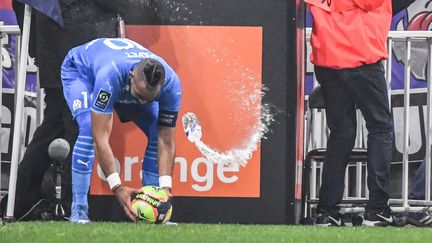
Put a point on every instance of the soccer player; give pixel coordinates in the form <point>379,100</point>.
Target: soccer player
<point>120,74</point>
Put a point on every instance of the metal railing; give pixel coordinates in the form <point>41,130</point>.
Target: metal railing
<point>402,204</point>
<point>408,37</point>
<point>4,30</point>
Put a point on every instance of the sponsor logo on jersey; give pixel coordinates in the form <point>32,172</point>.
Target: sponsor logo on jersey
<point>102,99</point>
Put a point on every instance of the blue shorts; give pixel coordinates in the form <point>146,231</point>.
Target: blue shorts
<point>76,90</point>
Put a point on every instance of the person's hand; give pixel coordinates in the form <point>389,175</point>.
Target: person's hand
<point>123,195</point>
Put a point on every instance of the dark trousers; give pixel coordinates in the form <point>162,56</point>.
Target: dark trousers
<point>344,90</point>
<point>57,123</point>
<point>418,191</point>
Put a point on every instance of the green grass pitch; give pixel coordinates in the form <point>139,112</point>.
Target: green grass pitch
<point>65,232</point>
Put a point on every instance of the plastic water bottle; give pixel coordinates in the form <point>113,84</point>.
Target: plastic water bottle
<point>191,127</point>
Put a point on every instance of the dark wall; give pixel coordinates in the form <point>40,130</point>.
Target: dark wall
<point>277,17</point>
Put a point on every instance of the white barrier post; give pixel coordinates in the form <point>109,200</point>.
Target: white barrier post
<point>1,100</point>
<point>405,158</point>
<point>388,68</point>
<point>121,26</point>
<point>4,31</point>
<point>39,101</point>
<point>428,124</point>
<point>20,84</point>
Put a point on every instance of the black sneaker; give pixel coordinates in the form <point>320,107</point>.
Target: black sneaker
<point>419,219</point>
<point>325,219</point>
<point>384,217</point>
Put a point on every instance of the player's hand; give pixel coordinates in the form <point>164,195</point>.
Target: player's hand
<point>123,195</point>
<point>168,191</point>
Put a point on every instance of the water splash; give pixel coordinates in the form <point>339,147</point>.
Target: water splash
<point>240,155</point>
<point>175,11</point>
<point>246,94</point>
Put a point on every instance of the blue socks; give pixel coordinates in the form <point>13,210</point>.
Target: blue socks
<point>150,173</point>
<point>80,187</point>
<point>82,160</point>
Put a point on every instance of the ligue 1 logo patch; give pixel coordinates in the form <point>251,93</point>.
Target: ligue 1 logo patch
<point>102,99</point>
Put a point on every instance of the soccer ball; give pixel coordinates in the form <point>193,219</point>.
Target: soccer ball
<point>152,205</point>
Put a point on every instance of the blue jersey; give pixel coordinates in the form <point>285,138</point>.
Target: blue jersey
<point>103,66</point>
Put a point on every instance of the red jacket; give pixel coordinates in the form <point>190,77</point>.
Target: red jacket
<point>349,33</point>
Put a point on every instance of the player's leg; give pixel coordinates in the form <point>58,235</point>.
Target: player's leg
<point>147,122</point>
<point>76,93</point>
<point>70,134</point>
<point>82,164</point>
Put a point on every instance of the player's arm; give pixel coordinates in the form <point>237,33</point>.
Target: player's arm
<point>169,105</point>
<point>101,126</point>
<point>166,155</point>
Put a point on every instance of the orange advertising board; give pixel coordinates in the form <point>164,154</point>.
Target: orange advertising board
<point>220,71</point>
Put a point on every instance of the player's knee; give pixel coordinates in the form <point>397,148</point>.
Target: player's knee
<point>84,123</point>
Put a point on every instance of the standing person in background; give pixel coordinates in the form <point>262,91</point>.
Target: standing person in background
<point>417,192</point>
<point>84,20</point>
<point>348,44</point>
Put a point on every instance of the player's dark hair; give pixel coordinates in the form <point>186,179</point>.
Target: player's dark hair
<point>152,71</point>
